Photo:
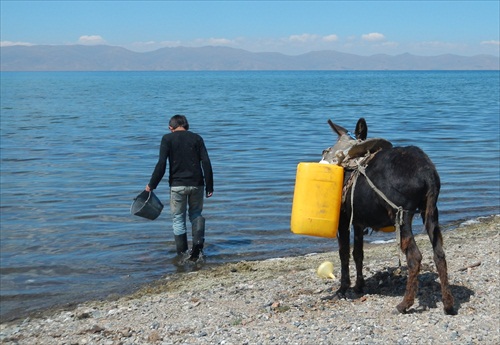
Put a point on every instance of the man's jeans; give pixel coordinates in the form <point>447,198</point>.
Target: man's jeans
<point>180,198</point>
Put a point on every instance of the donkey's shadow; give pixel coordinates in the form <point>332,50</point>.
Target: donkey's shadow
<point>392,282</point>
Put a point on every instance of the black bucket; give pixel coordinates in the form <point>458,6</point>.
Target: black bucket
<point>146,205</point>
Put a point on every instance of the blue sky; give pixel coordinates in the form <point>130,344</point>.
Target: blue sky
<point>290,27</point>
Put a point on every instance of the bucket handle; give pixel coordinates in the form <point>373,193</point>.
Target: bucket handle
<point>149,197</point>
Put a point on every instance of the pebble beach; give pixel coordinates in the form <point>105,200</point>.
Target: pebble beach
<point>284,301</point>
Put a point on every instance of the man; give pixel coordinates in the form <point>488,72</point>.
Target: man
<point>189,171</point>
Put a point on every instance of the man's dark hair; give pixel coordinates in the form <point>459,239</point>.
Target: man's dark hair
<point>179,121</point>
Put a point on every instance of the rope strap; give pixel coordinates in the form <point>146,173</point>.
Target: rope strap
<point>399,213</point>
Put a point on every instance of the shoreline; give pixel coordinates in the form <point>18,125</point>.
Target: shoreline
<point>282,300</point>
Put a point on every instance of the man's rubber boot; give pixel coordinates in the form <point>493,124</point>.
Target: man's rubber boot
<point>198,238</point>
<point>181,243</point>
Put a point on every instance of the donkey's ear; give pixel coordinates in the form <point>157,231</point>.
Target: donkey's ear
<point>361,131</point>
<point>337,129</point>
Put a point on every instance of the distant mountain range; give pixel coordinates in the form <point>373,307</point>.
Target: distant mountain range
<point>110,58</point>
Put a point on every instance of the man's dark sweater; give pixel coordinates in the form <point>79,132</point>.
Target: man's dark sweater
<point>185,151</point>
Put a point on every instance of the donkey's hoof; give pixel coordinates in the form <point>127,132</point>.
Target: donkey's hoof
<point>395,312</point>
<point>359,288</point>
<point>401,308</point>
<point>341,293</point>
<point>450,311</point>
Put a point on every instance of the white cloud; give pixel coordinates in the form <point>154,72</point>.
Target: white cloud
<point>154,44</point>
<point>330,38</point>
<point>492,43</point>
<point>10,44</point>
<point>208,41</point>
<point>91,39</point>
<point>302,38</point>
<point>170,43</point>
<point>373,36</point>
<point>219,41</point>
<point>148,43</point>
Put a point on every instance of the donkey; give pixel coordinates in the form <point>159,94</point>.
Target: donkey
<point>404,177</point>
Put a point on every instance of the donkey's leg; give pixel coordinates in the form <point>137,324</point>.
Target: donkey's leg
<point>434,232</point>
<point>344,241</point>
<point>357,254</point>
<point>413,260</point>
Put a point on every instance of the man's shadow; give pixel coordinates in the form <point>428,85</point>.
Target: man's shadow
<point>391,281</point>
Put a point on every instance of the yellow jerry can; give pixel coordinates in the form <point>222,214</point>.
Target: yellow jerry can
<point>316,199</point>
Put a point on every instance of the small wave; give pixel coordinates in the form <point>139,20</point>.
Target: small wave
<point>382,241</point>
<point>469,222</point>
<point>477,220</point>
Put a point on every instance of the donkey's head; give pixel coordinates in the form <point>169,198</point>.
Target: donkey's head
<point>336,153</point>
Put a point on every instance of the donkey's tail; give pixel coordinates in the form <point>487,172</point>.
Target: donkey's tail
<point>431,214</point>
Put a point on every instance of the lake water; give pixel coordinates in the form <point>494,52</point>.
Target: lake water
<point>76,148</point>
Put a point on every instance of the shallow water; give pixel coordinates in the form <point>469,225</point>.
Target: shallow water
<point>77,147</point>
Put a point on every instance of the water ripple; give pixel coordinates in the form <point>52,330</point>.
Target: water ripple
<point>77,147</point>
